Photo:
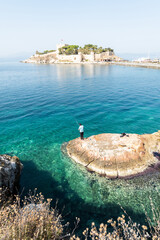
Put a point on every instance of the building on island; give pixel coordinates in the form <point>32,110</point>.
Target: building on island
<point>80,55</point>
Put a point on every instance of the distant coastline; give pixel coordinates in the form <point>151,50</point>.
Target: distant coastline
<point>137,64</point>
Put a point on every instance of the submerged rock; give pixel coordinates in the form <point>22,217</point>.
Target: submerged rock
<point>115,156</point>
<point>10,170</point>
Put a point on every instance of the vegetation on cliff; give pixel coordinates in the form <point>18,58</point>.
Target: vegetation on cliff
<point>87,49</point>
<point>33,218</point>
<point>45,52</point>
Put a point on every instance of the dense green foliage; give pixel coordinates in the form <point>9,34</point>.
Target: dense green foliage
<point>87,49</point>
<point>68,50</point>
<point>74,49</point>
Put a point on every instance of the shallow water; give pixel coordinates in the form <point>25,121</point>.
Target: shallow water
<point>39,109</point>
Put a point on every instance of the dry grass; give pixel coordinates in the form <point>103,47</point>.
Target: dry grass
<point>35,220</point>
<point>123,229</point>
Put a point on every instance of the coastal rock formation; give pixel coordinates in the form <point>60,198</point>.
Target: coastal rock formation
<point>10,170</point>
<point>48,58</point>
<point>115,156</point>
<point>74,55</point>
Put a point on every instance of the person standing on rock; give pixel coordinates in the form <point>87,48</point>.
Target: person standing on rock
<point>81,130</point>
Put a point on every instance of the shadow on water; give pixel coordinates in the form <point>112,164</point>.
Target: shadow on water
<point>70,205</point>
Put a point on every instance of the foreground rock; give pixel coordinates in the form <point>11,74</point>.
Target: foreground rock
<point>115,156</point>
<point>10,170</point>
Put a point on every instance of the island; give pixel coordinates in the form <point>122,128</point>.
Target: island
<point>90,53</point>
<point>117,156</point>
<point>74,54</point>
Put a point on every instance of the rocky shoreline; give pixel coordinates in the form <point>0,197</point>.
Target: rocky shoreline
<point>10,171</point>
<point>49,60</point>
<point>52,58</point>
<point>117,157</point>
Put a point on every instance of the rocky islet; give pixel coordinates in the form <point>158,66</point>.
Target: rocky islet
<point>117,156</point>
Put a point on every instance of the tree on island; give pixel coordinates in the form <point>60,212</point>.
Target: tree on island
<point>88,48</point>
<point>69,50</point>
<point>74,49</point>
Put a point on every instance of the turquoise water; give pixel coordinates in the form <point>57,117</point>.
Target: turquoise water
<point>39,107</point>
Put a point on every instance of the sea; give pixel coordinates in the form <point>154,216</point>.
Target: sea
<point>40,108</point>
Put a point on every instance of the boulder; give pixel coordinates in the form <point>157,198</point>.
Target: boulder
<point>10,170</point>
<point>117,156</point>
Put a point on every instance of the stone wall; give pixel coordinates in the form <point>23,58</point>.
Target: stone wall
<point>54,57</point>
<point>88,57</point>
<point>69,58</point>
<point>103,56</point>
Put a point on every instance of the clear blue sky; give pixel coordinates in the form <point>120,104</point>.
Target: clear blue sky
<point>126,26</point>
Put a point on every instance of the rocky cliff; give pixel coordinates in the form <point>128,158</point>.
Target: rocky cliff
<point>48,58</point>
<point>10,170</point>
<point>115,156</point>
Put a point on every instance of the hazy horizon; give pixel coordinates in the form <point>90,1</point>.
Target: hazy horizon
<point>127,27</point>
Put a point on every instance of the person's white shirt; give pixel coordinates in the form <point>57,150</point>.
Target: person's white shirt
<point>81,128</point>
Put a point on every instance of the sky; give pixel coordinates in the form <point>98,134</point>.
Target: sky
<point>129,27</point>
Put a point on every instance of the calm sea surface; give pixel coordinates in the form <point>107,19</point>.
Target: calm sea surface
<point>39,107</point>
